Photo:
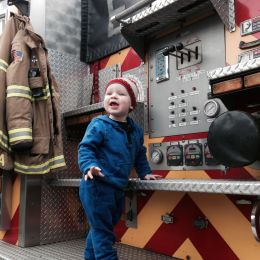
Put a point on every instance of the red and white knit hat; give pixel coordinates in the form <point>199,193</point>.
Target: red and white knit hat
<point>131,86</point>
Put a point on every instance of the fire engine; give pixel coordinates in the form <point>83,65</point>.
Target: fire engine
<point>199,65</point>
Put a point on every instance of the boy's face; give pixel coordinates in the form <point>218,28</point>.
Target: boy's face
<point>117,102</point>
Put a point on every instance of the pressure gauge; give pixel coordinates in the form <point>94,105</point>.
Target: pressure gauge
<point>211,108</point>
<point>156,156</point>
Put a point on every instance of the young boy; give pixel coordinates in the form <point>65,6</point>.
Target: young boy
<point>110,148</point>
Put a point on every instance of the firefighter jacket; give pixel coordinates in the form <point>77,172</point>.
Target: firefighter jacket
<point>30,124</point>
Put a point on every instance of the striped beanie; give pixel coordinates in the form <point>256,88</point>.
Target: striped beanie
<point>131,86</point>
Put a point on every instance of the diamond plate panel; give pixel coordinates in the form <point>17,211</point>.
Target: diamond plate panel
<point>226,11</point>
<point>233,69</point>
<point>71,138</point>
<point>104,76</point>
<point>72,250</point>
<point>185,185</point>
<point>139,116</point>
<point>207,186</point>
<point>62,217</point>
<point>74,79</point>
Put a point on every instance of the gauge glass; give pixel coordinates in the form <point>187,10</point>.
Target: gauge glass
<point>211,108</point>
<point>156,156</point>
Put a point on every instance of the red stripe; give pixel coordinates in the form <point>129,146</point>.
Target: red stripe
<point>131,61</point>
<point>185,137</point>
<point>231,173</point>
<point>240,174</point>
<point>11,236</point>
<point>208,242</point>
<point>102,64</point>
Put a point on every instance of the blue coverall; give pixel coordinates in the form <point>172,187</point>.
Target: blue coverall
<point>106,145</point>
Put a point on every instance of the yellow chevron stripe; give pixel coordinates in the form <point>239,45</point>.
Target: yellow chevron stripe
<point>253,172</point>
<point>161,202</point>
<point>15,202</point>
<point>232,225</point>
<point>117,58</point>
<point>188,175</point>
<point>16,195</point>
<point>187,248</point>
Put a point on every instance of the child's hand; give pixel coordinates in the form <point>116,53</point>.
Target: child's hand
<point>93,171</point>
<point>152,177</point>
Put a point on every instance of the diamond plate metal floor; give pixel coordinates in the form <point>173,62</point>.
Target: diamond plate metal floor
<point>71,250</point>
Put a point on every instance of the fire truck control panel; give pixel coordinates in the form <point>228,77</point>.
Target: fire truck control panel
<point>179,88</point>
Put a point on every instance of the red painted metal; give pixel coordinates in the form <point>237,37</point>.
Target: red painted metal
<point>246,10</point>
<point>11,236</point>
<point>131,61</point>
<point>208,242</point>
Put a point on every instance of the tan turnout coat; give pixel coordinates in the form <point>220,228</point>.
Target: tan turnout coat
<point>30,125</point>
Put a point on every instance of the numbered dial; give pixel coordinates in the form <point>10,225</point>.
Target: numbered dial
<point>156,156</point>
<point>211,108</point>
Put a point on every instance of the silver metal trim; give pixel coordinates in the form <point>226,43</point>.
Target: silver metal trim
<point>183,185</point>
<point>233,69</point>
<point>30,210</point>
<point>139,5</point>
<point>255,220</point>
<point>84,110</point>
<point>206,186</point>
<point>232,16</point>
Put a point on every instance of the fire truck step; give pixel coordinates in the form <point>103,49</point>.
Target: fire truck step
<point>71,250</point>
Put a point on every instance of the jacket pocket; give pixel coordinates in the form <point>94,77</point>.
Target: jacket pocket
<point>41,145</point>
<point>36,86</point>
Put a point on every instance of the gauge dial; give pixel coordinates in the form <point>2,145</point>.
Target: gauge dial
<point>156,156</point>
<point>211,108</point>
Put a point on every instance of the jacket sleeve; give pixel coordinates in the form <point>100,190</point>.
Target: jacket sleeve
<point>88,147</point>
<point>5,57</point>
<point>19,97</point>
<point>141,163</point>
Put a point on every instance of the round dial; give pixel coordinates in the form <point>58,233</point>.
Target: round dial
<point>156,156</point>
<point>211,108</point>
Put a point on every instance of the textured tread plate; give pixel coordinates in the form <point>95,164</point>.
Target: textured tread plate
<point>70,250</point>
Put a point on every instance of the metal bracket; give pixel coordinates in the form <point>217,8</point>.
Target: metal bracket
<point>131,208</point>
